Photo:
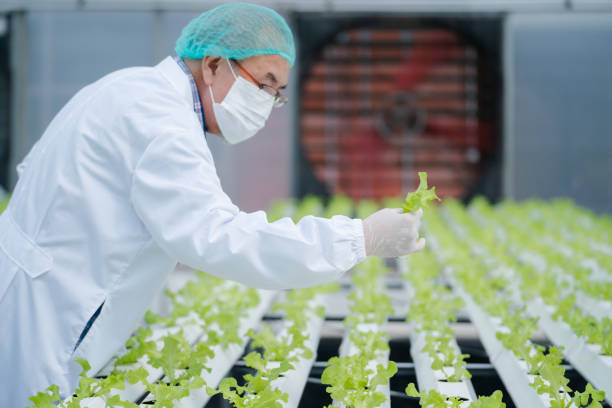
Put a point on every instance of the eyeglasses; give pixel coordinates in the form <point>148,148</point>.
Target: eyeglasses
<point>279,98</point>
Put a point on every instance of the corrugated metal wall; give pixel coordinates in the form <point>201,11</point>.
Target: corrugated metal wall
<point>5,104</point>
<point>559,108</point>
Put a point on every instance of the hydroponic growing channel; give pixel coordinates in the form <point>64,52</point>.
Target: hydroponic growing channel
<point>509,305</point>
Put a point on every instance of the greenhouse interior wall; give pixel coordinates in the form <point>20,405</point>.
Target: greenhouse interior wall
<point>544,158</point>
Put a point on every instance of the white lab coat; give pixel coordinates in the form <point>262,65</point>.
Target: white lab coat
<point>120,188</point>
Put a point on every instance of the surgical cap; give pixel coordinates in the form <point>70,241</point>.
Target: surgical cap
<point>238,31</point>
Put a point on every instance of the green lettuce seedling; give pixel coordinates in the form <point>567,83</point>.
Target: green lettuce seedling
<point>421,197</point>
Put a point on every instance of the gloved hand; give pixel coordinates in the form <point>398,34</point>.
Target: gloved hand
<point>390,233</point>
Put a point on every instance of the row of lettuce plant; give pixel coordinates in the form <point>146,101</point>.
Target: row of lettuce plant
<point>433,307</point>
<point>485,269</point>
<point>589,235</point>
<point>214,305</point>
<point>274,355</point>
<point>541,265</point>
<point>354,379</point>
<point>566,256</point>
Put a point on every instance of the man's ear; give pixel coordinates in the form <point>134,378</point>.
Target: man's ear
<point>209,68</point>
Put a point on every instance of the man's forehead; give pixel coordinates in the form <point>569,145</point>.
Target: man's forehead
<point>271,69</point>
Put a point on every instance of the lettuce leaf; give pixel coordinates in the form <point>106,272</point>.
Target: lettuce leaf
<point>421,197</point>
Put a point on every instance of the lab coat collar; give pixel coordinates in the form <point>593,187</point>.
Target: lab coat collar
<point>180,81</point>
<point>170,69</point>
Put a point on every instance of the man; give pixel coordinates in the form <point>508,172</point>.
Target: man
<point>122,186</point>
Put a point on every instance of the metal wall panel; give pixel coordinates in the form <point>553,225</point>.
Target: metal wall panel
<point>447,5</point>
<point>301,5</point>
<point>559,105</point>
<point>591,4</point>
<point>5,105</point>
<point>57,53</point>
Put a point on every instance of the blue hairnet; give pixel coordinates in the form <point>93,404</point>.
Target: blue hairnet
<point>238,31</point>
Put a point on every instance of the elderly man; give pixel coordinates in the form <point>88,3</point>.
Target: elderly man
<point>122,186</point>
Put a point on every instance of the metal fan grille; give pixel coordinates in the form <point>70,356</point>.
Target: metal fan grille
<point>381,104</point>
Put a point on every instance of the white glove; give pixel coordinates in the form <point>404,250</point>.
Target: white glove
<point>390,233</point>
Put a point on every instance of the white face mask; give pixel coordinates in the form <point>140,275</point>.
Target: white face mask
<point>243,111</point>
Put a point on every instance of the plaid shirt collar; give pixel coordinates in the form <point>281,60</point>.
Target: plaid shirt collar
<point>197,102</point>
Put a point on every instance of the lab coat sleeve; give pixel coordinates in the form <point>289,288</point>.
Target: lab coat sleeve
<point>178,196</point>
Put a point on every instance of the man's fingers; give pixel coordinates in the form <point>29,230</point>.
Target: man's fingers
<point>420,245</point>
<point>391,232</point>
<point>410,218</point>
<point>415,216</point>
